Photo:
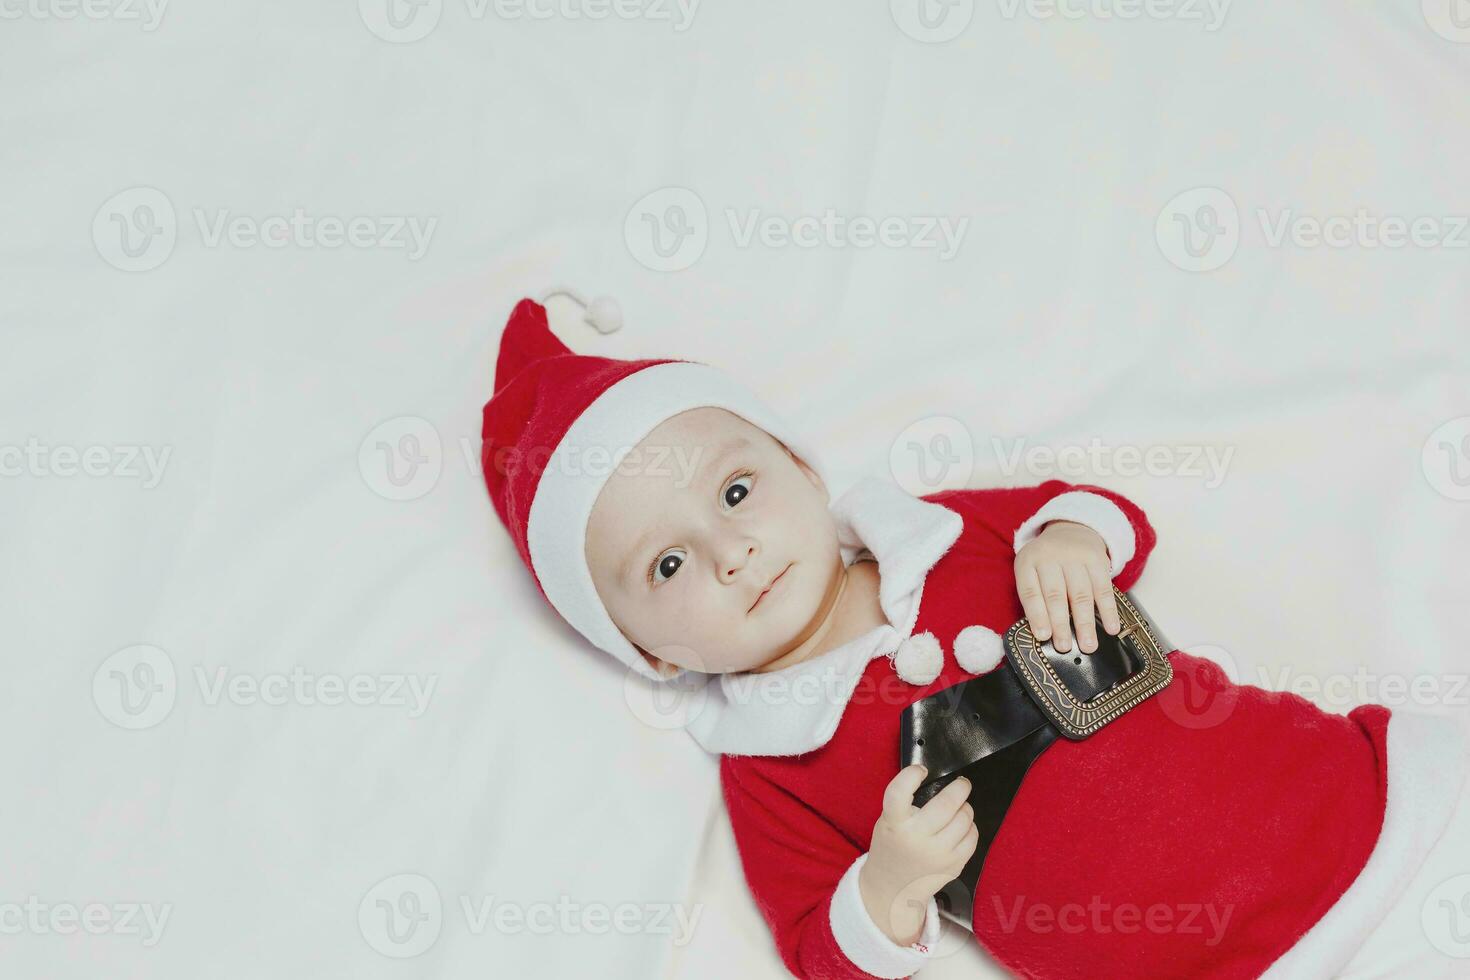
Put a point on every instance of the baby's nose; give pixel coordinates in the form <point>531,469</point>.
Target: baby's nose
<point>731,569</point>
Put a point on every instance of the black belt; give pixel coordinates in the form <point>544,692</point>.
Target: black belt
<point>991,728</point>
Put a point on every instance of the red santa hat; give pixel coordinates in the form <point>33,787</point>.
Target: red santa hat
<point>557,427</point>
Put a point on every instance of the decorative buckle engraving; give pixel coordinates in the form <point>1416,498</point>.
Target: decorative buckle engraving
<point>1074,718</point>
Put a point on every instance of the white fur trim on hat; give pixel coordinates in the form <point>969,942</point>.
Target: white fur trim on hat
<point>919,659</point>
<point>978,649</point>
<point>612,426</point>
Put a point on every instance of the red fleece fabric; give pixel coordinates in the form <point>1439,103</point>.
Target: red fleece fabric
<point>1158,848</point>
<point>541,387</point>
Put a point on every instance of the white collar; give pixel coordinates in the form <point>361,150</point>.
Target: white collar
<point>796,709</point>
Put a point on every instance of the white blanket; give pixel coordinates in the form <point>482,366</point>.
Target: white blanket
<point>256,262</point>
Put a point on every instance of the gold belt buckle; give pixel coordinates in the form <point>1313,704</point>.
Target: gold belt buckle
<point>1074,718</point>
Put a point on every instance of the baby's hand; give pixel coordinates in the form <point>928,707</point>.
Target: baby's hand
<point>915,852</point>
<point>1066,562</point>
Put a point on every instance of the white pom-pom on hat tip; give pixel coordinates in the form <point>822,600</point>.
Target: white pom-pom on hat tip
<point>602,314</point>
<point>978,649</point>
<point>919,659</point>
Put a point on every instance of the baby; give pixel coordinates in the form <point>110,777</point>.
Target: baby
<point>679,525</point>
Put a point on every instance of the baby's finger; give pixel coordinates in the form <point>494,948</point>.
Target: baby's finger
<point>898,798</point>
<point>1028,587</point>
<point>969,842</point>
<point>1079,591</point>
<point>1102,591</point>
<point>1054,593</point>
<point>955,830</point>
<point>938,811</point>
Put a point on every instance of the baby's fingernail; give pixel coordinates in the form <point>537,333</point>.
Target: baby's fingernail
<point>1043,633</point>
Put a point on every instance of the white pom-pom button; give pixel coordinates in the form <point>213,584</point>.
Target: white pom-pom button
<point>978,649</point>
<point>919,659</point>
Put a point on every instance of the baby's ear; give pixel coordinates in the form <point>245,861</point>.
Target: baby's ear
<point>811,474</point>
<point>659,667</point>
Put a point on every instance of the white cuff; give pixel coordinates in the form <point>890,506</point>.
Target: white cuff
<point>862,942</point>
<point>1094,511</point>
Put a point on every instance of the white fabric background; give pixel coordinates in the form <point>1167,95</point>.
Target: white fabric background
<point>1424,934</point>
<point>263,371</point>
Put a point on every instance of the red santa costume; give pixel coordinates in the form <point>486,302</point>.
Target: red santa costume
<point>1214,831</point>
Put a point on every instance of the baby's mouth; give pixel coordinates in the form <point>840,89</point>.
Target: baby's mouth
<point>768,588</point>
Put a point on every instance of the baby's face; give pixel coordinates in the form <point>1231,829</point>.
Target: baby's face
<point>683,544</point>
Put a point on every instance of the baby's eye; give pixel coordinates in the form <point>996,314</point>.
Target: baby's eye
<point>665,565</point>
<point>738,489</point>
